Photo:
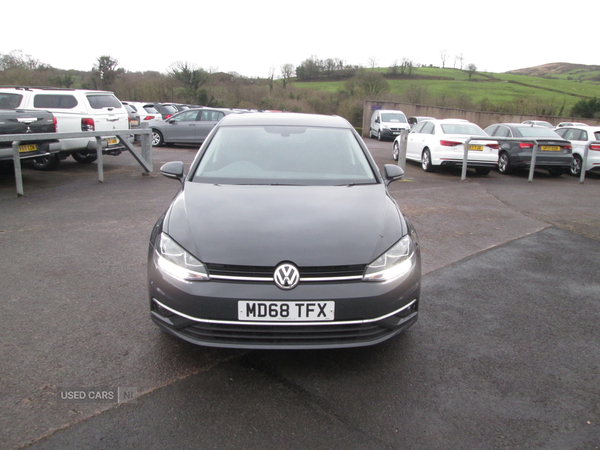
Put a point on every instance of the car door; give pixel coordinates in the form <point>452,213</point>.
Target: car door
<point>427,139</point>
<point>577,137</point>
<point>181,127</point>
<point>414,142</point>
<point>207,119</point>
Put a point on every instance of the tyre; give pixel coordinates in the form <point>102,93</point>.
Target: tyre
<point>379,137</point>
<point>49,162</point>
<point>482,170</point>
<point>575,169</point>
<point>84,157</point>
<point>504,163</point>
<point>426,161</point>
<point>156,138</point>
<point>557,172</point>
<point>396,151</point>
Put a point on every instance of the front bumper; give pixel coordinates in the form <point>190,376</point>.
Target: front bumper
<point>206,312</point>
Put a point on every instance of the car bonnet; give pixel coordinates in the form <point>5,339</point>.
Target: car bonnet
<point>265,225</point>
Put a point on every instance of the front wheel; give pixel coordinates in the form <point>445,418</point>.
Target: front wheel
<point>396,151</point>
<point>426,161</point>
<point>504,163</point>
<point>157,138</point>
<point>576,166</point>
<point>379,137</point>
<point>84,157</point>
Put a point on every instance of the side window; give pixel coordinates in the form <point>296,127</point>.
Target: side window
<point>584,135</point>
<point>418,127</point>
<point>211,116</point>
<point>561,132</point>
<point>428,128</point>
<point>573,135</point>
<point>188,116</point>
<point>503,132</point>
<point>56,101</point>
<point>491,130</point>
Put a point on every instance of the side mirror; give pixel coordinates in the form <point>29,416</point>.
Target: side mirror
<point>392,172</point>
<point>173,170</point>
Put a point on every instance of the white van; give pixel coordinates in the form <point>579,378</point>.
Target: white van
<point>75,110</point>
<point>388,123</point>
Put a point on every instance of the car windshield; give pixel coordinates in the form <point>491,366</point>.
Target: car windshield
<point>462,128</point>
<point>287,155</point>
<point>393,117</point>
<point>538,132</point>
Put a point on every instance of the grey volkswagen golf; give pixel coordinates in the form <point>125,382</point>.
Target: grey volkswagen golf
<point>284,236</point>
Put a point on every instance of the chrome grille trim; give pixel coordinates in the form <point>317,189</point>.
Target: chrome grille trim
<point>239,322</point>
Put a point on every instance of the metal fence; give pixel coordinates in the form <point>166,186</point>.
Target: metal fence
<point>144,159</point>
<point>404,142</point>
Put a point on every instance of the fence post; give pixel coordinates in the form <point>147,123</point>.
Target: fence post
<point>100,159</point>
<point>533,159</point>
<point>463,175</point>
<point>402,148</point>
<point>18,171</point>
<point>584,163</point>
<point>146,148</point>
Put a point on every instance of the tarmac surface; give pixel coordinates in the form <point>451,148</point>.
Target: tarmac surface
<point>506,352</point>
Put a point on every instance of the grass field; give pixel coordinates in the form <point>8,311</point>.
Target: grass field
<point>563,90</point>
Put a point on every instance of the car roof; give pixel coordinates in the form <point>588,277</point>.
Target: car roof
<point>285,119</point>
<point>518,125</point>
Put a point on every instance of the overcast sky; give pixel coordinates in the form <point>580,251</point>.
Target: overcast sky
<point>250,37</point>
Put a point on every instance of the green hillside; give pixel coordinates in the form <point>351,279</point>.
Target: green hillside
<point>548,93</point>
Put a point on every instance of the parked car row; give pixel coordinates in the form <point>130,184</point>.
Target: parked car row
<point>74,110</point>
<point>440,142</point>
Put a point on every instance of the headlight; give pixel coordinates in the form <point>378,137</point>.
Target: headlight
<point>394,263</point>
<point>175,261</point>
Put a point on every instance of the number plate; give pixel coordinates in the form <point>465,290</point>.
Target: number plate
<point>27,148</point>
<point>550,148</point>
<point>134,123</point>
<point>112,141</point>
<point>476,147</point>
<point>286,311</point>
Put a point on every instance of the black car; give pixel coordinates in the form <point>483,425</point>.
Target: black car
<point>284,235</point>
<point>555,154</point>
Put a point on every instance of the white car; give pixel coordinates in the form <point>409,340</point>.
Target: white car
<point>571,124</point>
<point>75,110</point>
<point>440,142</point>
<point>147,111</point>
<point>387,124</point>
<point>580,136</point>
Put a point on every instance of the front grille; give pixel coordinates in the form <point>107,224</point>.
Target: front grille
<point>298,335</point>
<point>266,272</point>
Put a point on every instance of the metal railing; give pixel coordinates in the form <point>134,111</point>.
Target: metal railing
<point>404,142</point>
<point>145,159</point>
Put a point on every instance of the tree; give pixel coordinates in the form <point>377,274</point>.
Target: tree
<point>372,82</point>
<point>586,108</point>
<point>271,79</point>
<point>372,62</point>
<point>444,56</point>
<point>472,68</point>
<point>105,72</point>
<point>287,72</point>
<point>17,60</point>
<point>192,79</point>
